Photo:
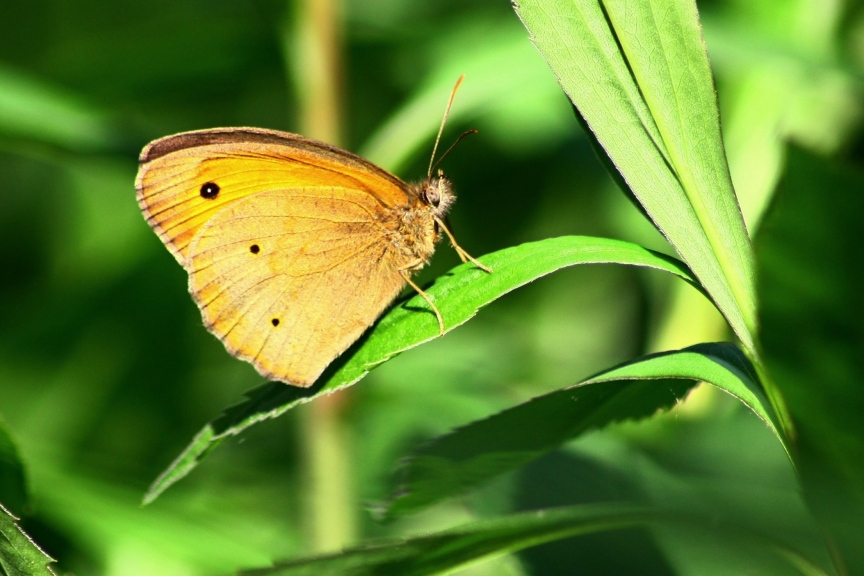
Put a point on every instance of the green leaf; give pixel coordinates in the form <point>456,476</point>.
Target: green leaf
<point>459,294</point>
<point>447,550</point>
<point>638,73</point>
<point>473,454</point>
<point>443,552</point>
<point>811,283</point>
<point>19,555</point>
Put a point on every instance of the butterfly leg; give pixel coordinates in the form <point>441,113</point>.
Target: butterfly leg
<point>463,255</point>
<point>407,276</point>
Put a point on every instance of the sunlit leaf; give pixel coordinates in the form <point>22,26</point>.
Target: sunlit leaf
<point>458,294</point>
<point>638,73</point>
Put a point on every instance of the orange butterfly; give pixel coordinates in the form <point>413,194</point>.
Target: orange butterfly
<point>293,247</point>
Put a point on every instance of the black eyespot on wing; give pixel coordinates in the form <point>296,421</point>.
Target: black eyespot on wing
<point>275,321</point>
<point>254,249</point>
<point>209,190</point>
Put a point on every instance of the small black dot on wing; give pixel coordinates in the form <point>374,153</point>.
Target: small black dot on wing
<point>209,190</point>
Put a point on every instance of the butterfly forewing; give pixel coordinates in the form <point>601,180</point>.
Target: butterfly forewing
<point>186,179</point>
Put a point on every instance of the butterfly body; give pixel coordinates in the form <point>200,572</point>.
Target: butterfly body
<point>293,247</point>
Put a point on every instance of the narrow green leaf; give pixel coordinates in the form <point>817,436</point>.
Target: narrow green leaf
<point>459,294</point>
<point>671,68</point>
<point>19,555</point>
<point>638,73</point>
<point>446,551</point>
<point>473,454</point>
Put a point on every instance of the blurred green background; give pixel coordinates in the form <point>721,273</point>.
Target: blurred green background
<point>106,372</point>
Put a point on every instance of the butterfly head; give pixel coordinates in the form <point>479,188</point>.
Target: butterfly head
<point>437,193</point>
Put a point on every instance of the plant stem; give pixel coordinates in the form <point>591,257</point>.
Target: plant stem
<point>329,518</point>
<point>312,49</point>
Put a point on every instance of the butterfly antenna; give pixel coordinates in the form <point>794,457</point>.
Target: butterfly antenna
<point>459,139</point>
<point>443,122</point>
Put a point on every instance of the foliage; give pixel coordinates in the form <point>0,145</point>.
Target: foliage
<point>107,372</point>
<point>19,556</point>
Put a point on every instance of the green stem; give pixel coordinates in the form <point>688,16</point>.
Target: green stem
<point>312,51</point>
<point>329,518</point>
<point>313,54</point>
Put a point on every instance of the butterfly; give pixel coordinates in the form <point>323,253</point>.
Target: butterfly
<point>293,247</point>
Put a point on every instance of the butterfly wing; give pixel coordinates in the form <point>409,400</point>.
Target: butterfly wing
<point>288,279</point>
<point>179,174</point>
<point>285,239</point>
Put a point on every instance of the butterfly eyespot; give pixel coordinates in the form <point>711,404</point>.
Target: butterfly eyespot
<point>254,249</point>
<point>275,321</point>
<point>209,190</point>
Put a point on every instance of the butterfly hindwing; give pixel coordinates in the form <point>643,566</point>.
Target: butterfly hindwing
<point>289,278</point>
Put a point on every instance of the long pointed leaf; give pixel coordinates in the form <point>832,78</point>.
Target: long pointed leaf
<point>471,455</point>
<point>638,73</point>
<point>443,552</point>
<point>458,294</point>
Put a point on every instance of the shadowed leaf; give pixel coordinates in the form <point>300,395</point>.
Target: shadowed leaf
<point>473,454</point>
<point>444,552</point>
<point>19,555</point>
<point>811,282</point>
